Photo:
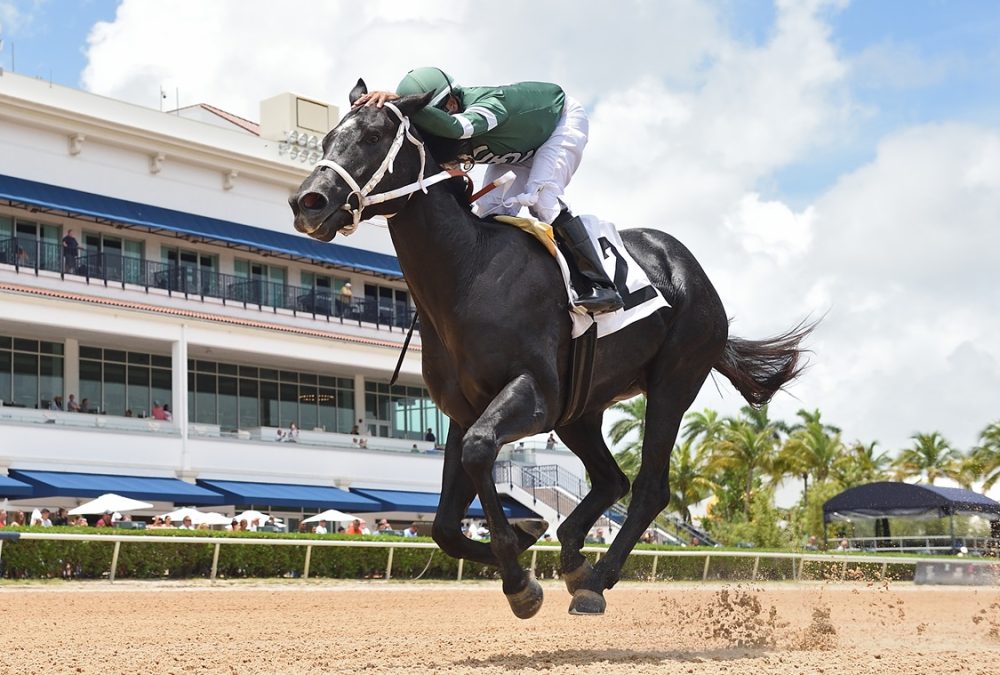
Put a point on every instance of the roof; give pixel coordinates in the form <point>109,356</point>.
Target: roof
<point>252,127</point>
<point>886,498</point>
<point>14,488</point>
<point>67,484</point>
<point>154,218</point>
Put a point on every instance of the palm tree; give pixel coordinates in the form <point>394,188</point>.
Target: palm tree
<point>813,448</point>
<point>861,464</point>
<point>985,457</point>
<point>631,426</point>
<point>689,477</point>
<point>931,457</point>
<point>705,424</point>
<point>748,451</point>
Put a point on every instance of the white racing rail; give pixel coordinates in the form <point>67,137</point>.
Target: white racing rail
<point>798,560</point>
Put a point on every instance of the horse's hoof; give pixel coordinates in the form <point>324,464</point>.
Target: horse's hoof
<point>586,602</point>
<point>535,527</point>
<point>526,602</point>
<point>576,579</point>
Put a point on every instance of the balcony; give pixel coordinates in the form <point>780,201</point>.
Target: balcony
<point>196,283</point>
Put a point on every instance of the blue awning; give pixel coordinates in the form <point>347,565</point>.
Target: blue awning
<point>14,488</point>
<point>76,202</point>
<point>63,484</point>
<point>427,502</point>
<point>289,496</point>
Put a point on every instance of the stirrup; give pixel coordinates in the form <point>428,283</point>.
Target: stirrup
<point>600,301</point>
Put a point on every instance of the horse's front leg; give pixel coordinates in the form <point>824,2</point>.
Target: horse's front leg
<point>457,492</point>
<point>518,411</point>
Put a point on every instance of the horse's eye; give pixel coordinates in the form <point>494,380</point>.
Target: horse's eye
<point>373,139</point>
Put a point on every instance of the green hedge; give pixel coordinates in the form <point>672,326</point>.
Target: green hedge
<point>47,559</point>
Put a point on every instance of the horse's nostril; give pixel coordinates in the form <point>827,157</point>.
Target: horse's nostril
<point>312,201</point>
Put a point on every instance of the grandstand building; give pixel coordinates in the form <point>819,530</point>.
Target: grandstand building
<point>191,292</point>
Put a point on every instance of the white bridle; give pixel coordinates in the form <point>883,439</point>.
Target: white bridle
<point>362,193</point>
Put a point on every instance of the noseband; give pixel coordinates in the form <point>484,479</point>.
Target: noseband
<point>362,194</point>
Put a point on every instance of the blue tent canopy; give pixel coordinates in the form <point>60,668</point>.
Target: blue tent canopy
<point>887,499</point>
<point>289,495</point>
<point>124,212</point>
<point>427,502</point>
<point>14,488</point>
<point>66,484</point>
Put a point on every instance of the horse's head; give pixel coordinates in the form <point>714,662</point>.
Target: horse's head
<point>371,152</point>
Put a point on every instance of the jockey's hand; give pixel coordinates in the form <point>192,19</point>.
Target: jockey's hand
<point>375,98</point>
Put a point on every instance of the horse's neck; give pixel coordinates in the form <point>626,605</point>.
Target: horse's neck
<point>437,242</point>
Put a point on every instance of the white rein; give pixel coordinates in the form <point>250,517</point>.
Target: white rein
<point>362,193</point>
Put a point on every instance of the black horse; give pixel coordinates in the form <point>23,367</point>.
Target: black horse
<point>496,347</point>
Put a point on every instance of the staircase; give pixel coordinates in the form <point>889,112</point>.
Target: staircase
<point>553,492</point>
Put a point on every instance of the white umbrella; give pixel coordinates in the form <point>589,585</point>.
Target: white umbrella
<point>197,517</point>
<point>249,516</point>
<point>331,516</point>
<point>212,518</point>
<point>109,502</point>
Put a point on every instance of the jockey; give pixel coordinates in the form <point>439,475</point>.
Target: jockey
<point>530,128</point>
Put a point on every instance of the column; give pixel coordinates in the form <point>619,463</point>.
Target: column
<point>71,369</point>
<point>359,397</point>
<point>179,393</point>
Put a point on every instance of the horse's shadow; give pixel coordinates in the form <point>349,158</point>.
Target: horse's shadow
<point>585,657</point>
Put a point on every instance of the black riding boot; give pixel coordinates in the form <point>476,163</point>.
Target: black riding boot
<point>601,296</point>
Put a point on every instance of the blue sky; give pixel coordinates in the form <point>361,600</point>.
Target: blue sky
<point>819,157</point>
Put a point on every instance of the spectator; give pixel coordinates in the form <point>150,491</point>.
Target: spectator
<point>157,413</point>
<point>45,520</point>
<point>598,537</point>
<point>414,448</point>
<point>550,443</point>
<point>411,531</point>
<point>546,537</point>
<point>647,537</point>
<point>61,518</point>
<point>430,437</point>
<point>128,413</point>
<point>356,429</point>
<point>168,521</point>
<point>345,299</point>
<point>354,527</point>
<point>254,525</point>
<point>3,518</point>
<point>104,520</point>
<point>56,403</point>
<point>167,415</point>
<point>695,541</point>
<point>85,405</point>
<point>156,523</point>
<point>186,523</point>
<point>72,405</point>
<point>243,525</point>
<point>383,527</point>
<point>844,545</point>
<point>71,249</point>
<point>80,521</point>
<point>293,433</point>
<point>303,527</point>
<point>812,544</point>
<point>16,519</point>
<point>472,531</point>
<point>320,528</point>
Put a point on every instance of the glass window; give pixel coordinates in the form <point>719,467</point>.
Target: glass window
<point>229,417</point>
<point>205,399</point>
<point>91,389</point>
<point>5,376</point>
<point>161,386</point>
<point>115,402</point>
<point>249,407</point>
<point>268,404</point>
<point>308,407</point>
<point>137,397</point>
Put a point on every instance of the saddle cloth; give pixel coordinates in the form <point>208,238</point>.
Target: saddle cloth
<point>640,296</point>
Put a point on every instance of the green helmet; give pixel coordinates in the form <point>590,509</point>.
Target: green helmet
<point>423,80</point>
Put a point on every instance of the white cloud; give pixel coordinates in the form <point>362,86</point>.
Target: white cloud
<point>688,126</point>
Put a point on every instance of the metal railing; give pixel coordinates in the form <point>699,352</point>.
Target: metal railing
<point>798,560</point>
<point>193,281</point>
<point>921,543</point>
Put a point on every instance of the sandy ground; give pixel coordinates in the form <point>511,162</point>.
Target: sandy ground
<point>346,627</point>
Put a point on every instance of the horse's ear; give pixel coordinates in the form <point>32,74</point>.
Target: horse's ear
<point>360,89</point>
<point>411,104</point>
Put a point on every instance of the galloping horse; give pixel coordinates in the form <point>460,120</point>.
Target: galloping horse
<point>496,346</point>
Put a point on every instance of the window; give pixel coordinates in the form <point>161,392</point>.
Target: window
<point>398,411</point>
<point>259,284</point>
<point>113,258</point>
<point>387,306</point>
<point>31,371</point>
<point>236,396</point>
<point>193,272</point>
<point>120,383</point>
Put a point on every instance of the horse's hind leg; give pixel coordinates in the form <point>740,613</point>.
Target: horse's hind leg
<point>519,410</point>
<point>665,407</point>
<point>457,492</point>
<point>608,485</point>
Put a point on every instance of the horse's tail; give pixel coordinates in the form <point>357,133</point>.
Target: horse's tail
<point>759,368</point>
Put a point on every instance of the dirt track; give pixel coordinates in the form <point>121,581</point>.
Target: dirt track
<point>329,627</point>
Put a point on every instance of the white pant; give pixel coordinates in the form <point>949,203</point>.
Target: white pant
<point>540,182</point>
